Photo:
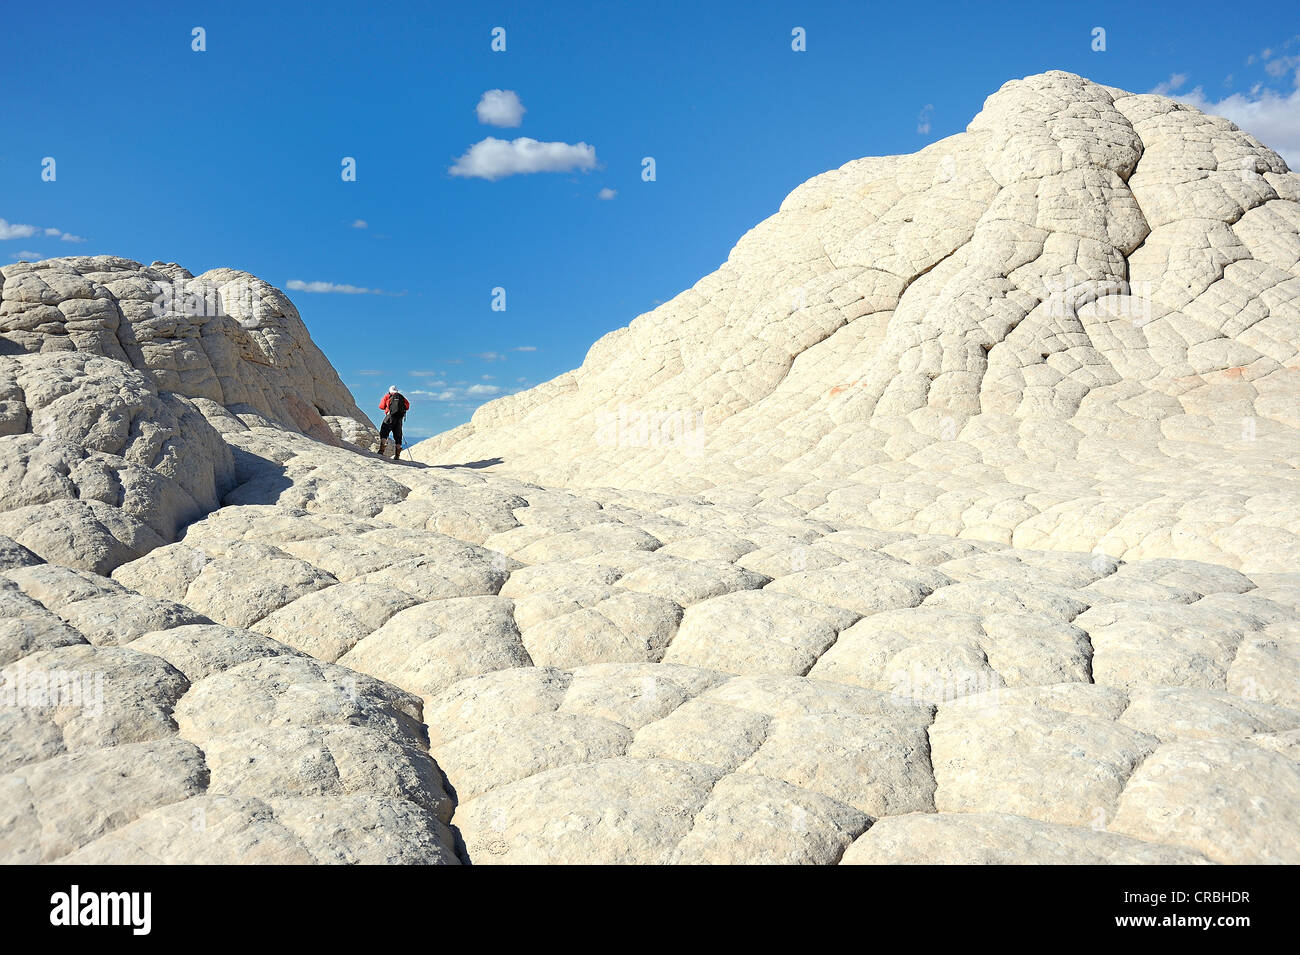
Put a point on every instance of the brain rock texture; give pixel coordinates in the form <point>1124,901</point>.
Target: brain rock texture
<point>1072,326</point>
<point>954,519</point>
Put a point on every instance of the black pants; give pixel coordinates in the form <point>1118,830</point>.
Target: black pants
<point>391,425</point>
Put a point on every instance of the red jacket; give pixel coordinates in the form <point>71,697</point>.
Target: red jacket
<point>383,403</point>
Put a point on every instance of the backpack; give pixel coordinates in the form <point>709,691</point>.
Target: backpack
<point>397,406</point>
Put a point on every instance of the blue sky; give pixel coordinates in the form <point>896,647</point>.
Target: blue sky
<point>232,156</point>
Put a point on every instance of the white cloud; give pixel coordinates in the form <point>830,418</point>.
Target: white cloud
<point>447,395</point>
<point>607,193</point>
<point>455,393</point>
<point>923,119</point>
<point>298,285</point>
<point>494,159</point>
<point>29,256</point>
<point>1281,66</point>
<point>12,230</point>
<point>1271,117</point>
<point>500,108</point>
<point>525,348</point>
<point>360,224</point>
<point>1176,81</point>
<point>490,356</point>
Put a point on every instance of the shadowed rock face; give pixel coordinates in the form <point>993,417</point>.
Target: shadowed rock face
<point>1071,326</point>
<point>108,370</point>
<point>231,637</point>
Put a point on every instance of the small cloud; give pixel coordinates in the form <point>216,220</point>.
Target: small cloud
<point>500,108</point>
<point>1281,66</point>
<point>607,193</point>
<point>525,348</point>
<point>923,119</point>
<point>51,232</point>
<point>29,256</point>
<point>489,356</point>
<point>447,395</point>
<point>1175,82</point>
<point>371,372</point>
<point>329,288</point>
<point>456,394</point>
<point>12,230</point>
<point>494,159</point>
<point>360,224</point>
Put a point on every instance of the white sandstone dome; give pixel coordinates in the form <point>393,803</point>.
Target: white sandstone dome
<point>1074,325</point>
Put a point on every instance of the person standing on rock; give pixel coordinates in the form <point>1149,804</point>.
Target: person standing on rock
<point>394,406</point>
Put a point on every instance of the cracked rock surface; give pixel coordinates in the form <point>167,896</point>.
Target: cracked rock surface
<point>963,565</point>
<point>1070,327</point>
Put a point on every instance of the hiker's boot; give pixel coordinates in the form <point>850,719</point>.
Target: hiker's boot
<point>397,451</point>
<point>383,447</point>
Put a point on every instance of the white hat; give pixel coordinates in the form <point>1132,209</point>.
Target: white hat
<point>392,389</point>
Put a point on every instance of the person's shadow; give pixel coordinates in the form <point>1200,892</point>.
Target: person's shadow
<point>485,463</point>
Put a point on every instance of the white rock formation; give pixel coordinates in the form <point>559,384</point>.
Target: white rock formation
<point>111,461</point>
<point>962,568</point>
<point>1072,326</point>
